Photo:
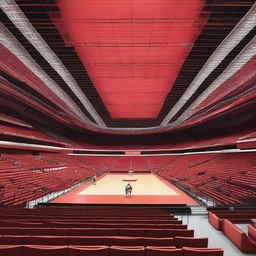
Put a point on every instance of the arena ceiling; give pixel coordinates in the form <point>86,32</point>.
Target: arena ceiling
<point>127,66</point>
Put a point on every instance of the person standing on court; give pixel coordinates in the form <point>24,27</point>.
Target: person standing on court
<point>128,190</point>
<point>94,180</point>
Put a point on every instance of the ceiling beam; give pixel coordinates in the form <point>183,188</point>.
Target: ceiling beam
<point>244,26</point>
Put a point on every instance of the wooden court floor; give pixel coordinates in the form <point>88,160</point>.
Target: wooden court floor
<point>110,189</point>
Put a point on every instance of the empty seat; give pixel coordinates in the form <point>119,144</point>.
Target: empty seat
<point>127,251</point>
<point>44,250</point>
<point>88,250</point>
<point>252,232</point>
<point>152,241</point>
<point>188,251</point>
<point>11,250</point>
<point>180,242</point>
<point>55,240</point>
<point>163,251</point>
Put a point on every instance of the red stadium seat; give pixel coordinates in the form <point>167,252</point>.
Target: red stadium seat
<point>214,220</point>
<point>89,240</point>
<point>179,242</point>
<point>188,251</point>
<point>13,239</point>
<point>88,250</point>
<point>44,250</point>
<point>252,232</point>
<point>180,232</point>
<point>11,250</point>
<point>163,251</point>
<point>238,237</point>
<point>155,241</point>
<point>127,251</point>
<point>124,241</point>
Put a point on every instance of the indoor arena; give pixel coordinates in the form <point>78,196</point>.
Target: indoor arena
<point>128,128</point>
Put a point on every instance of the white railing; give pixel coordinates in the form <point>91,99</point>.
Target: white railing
<point>52,196</point>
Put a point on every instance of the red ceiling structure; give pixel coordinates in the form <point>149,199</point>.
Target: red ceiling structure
<point>106,74</point>
<point>241,81</point>
<point>132,50</point>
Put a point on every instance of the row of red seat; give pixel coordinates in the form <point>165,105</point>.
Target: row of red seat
<point>92,212</point>
<point>23,186</point>
<point>126,163</point>
<point>74,229</point>
<point>244,242</point>
<point>237,216</point>
<point>91,224</point>
<point>252,232</point>
<point>227,178</point>
<point>53,239</point>
<point>42,250</point>
<point>32,177</point>
<point>224,221</point>
<point>143,232</point>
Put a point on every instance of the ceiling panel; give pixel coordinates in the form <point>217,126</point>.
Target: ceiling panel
<point>131,70</point>
<point>135,47</point>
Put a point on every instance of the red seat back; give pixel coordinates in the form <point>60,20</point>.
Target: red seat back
<point>190,242</point>
<point>127,251</point>
<point>252,232</point>
<point>88,250</point>
<point>152,241</point>
<point>187,251</point>
<point>163,251</point>
<point>44,250</point>
<point>10,250</point>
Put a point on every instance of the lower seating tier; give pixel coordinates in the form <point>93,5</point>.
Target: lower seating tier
<point>57,231</point>
<point>178,242</point>
<point>102,250</point>
<point>227,178</point>
<point>224,221</point>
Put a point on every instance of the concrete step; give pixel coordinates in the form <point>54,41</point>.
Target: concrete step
<point>199,210</point>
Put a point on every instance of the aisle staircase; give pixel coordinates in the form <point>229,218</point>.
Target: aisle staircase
<point>198,210</point>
